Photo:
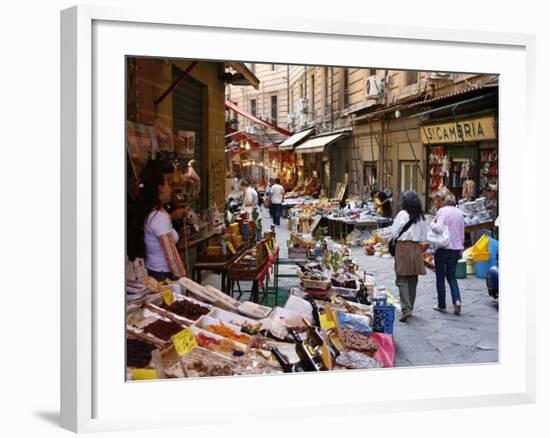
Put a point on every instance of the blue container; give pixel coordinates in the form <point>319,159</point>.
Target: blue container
<point>481,269</point>
<point>383,316</point>
<point>493,250</point>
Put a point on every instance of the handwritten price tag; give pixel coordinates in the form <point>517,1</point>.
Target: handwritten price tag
<point>167,296</point>
<point>143,374</point>
<point>326,323</point>
<point>184,341</point>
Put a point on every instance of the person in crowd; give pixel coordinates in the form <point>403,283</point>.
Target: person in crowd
<point>151,235</point>
<point>276,200</point>
<point>259,196</point>
<point>250,195</point>
<point>446,258</point>
<point>383,204</point>
<point>410,229</point>
<point>268,196</point>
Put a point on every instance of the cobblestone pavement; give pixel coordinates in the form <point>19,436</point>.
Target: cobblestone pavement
<point>428,337</point>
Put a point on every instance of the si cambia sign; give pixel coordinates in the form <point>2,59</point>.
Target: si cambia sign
<point>457,132</point>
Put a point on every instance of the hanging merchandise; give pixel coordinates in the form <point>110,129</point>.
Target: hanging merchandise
<point>468,191</point>
<point>191,181</point>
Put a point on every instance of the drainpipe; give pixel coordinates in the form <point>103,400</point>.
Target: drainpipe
<point>331,99</point>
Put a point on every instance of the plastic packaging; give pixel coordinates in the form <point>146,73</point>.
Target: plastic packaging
<point>357,323</point>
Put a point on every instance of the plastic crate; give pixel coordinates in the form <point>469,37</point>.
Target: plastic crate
<point>383,316</point>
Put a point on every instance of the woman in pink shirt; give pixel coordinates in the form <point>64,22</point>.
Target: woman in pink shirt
<point>447,258</point>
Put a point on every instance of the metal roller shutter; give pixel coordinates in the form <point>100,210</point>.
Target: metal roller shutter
<point>187,115</point>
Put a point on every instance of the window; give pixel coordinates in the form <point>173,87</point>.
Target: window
<point>253,108</point>
<point>346,87</point>
<point>370,175</point>
<point>274,110</point>
<point>411,77</point>
<point>409,176</point>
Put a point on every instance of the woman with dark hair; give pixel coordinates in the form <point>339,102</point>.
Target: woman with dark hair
<point>383,204</point>
<point>409,229</point>
<point>151,235</point>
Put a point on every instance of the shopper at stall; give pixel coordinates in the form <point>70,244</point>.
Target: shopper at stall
<point>250,195</point>
<point>151,235</point>
<point>276,200</point>
<point>446,258</point>
<point>409,229</point>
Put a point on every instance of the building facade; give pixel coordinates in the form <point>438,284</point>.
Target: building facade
<point>385,114</point>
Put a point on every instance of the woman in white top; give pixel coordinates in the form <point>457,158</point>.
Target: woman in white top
<point>409,263</point>
<point>276,196</point>
<point>151,235</point>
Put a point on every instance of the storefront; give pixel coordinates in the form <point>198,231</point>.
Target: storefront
<point>323,162</point>
<point>462,155</point>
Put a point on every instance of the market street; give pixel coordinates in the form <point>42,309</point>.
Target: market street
<point>428,337</point>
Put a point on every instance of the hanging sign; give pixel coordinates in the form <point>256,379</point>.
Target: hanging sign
<point>481,129</point>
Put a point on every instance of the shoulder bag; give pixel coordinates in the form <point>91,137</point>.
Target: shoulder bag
<point>393,242</point>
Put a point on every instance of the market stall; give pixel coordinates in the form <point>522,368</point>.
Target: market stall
<point>335,319</point>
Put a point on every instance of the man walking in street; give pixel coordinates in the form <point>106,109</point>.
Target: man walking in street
<point>250,195</point>
<point>276,200</point>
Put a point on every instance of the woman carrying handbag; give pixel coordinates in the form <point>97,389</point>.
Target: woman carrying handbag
<point>409,229</point>
<point>449,220</point>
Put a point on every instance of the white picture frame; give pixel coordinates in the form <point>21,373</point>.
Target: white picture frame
<point>94,396</point>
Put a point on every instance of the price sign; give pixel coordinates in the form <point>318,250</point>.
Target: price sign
<point>184,341</point>
<point>325,322</point>
<point>167,296</point>
<point>143,374</point>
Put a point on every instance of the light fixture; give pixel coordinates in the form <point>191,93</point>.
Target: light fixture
<point>247,147</point>
<point>242,144</point>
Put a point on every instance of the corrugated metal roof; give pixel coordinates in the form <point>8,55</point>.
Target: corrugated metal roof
<point>461,93</point>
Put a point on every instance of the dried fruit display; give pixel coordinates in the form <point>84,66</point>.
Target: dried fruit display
<point>138,353</point>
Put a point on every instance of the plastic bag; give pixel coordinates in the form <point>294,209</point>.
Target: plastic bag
<point>357,323</point>
<point>439,240</point>
<point>386,349</point>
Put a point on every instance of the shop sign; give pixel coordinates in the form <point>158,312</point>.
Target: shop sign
<point>457,132</point>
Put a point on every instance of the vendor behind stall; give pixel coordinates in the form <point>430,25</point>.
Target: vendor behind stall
<point>383,204</point>
<point>151,235</point>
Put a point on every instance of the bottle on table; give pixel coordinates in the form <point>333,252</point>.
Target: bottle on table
<point>308,358</point>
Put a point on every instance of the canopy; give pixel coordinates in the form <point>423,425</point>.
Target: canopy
<point>317,144</point>
<point>297,138</point>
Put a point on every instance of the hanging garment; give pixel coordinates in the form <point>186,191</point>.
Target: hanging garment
<point>446,166</point>
<point>463,171</point>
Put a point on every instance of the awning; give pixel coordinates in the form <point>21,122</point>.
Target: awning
<point>247,74</point>
<point>297,138</point>
<point>317,144</point>
<point>476,89</point>
<point>231,106</point>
